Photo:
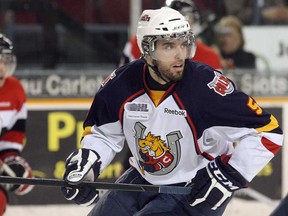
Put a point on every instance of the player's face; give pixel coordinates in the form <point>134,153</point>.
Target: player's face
<point>7,66</point>
<point>171,55</point>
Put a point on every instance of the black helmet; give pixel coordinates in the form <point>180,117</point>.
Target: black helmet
<point>188,9</point>
<point>6,55</point>
<point>5,45</point>
<point>180,5</point>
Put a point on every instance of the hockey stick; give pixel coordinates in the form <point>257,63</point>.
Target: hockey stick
<point>98,185</point>
<point>257,196</point>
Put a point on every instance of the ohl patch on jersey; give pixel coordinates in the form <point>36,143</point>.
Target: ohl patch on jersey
<point>221,84</point>
<point>156,156</point>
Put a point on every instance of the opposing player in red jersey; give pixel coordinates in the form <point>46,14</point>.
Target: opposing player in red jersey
<point>13,115</point>
<point>204,53</point>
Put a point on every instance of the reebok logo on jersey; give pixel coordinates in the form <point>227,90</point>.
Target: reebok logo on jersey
<point>221,84</point>
<point>175,112</point>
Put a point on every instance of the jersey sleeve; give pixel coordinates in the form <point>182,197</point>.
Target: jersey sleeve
<point>232,115</point>
<point>103,131</point>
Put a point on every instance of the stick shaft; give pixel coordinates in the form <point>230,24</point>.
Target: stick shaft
<point>98,185</point>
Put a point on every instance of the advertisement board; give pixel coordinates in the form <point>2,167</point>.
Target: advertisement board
<point>269,44</point>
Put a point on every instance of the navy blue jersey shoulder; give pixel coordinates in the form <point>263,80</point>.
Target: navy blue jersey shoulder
<point>211,99</point>
<point>192,92</point>
<point>123,83</point>
<point>193,88</point>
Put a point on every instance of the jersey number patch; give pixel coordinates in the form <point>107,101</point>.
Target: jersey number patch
<point>254,106</point>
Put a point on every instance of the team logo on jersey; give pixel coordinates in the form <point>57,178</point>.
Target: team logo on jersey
<point>137,110</point>
<point>221,84</point>
<point>156,156</point>
<point>107,79</point>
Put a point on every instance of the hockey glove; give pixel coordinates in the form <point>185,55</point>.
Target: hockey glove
<point>82,164</point>
<point>214,184</point>
<point>16,166</point>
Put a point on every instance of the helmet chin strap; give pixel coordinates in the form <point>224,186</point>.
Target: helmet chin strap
<point>155,69</point>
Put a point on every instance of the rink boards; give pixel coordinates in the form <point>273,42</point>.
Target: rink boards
<point>54,130</point>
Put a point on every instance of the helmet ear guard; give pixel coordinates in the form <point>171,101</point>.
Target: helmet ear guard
<point>148,44</point>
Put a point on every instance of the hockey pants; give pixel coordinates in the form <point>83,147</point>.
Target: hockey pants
<point>127,203</point>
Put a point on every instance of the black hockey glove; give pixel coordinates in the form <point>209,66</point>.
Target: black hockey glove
<point>81,165</point>
<point>214,184</point>
<point>16,166</point>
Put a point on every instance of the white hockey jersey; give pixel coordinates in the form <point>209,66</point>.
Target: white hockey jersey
<point>197,119</point>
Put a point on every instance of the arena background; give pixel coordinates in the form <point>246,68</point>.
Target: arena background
<point>62,72</point>
<point>58,105</point>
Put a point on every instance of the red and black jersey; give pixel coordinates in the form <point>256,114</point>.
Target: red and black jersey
<point>13,115</point>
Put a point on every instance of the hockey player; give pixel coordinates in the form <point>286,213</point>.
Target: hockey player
<point>13,114</point>
<point>180,119</point>
<point>204,53</point>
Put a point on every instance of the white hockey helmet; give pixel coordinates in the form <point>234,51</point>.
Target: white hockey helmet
<point>163,23</point>
<point>7,56</point>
